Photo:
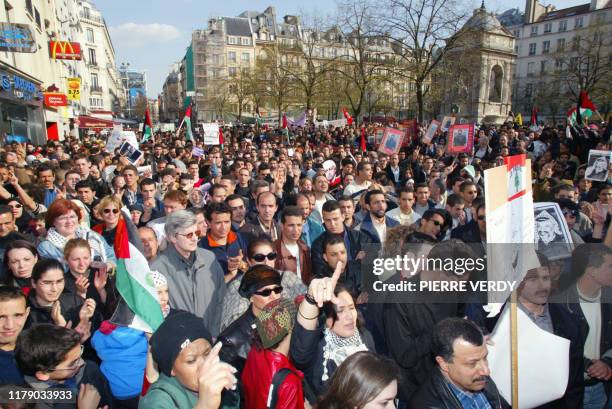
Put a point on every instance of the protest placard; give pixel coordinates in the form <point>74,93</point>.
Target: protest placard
<point>392,141</point>
<point>460,139</point>
<point>211,133</point>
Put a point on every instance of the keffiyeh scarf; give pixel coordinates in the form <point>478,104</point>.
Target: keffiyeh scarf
<point>59,241</point>
<point>339,348</point>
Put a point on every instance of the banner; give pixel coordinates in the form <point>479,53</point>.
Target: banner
<point>17,38</point>
<point>64,50</point>
<point>338,123</point>
<point>211,133</point>
<point>392,141</point>
<point>447,122</point>
<point>55,99</point>
<point>74,89</point>
<point>431,131</point>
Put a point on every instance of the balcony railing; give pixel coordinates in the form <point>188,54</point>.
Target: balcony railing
<point>95,88</point>
<point>89,16</point>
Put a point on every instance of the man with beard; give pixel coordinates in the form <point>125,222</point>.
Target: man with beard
<point>375,223</point>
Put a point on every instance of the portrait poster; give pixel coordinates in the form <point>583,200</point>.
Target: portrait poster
<point>431,131</point>
<point>447,122</point>
<point>392,141</point>
<point>379,132</point>
<point>460,139</point>
<point>552,235</point>
<point>598,165</point>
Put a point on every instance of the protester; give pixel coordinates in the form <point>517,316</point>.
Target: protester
<point>14,312</point>
<point>19,260</point>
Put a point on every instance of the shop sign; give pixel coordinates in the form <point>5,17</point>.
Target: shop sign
<point>55,99</point>
<point>64,50</point>
<point>74,89</point>
<point>18,87</point>
<point>16,38</point>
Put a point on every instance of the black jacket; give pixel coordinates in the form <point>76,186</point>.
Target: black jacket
<point>408,329</point>
<point>436,394</point>
<point>358,241</point>
<point>236,339</point>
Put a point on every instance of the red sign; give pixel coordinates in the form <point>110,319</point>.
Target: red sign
<point>54,99</point>
<point>64,50</point>
<point>91,122</point>
<point>460,139</point>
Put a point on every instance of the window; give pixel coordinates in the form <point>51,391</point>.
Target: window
<point>232,40</point>
<point>29,7</point>
<point>575,43</point>
<point>37,18</point>
<point>94,81</point>
<point>90,35</point>
<point>543,67</point>
<point>530,68</point>
<point>547,27</point>
<point>578,22</point>
<point>545,47</point>
<point>532,48</point>
<point>246,58</point>
<point>92,57</point>
<point>517,33</point>
<point>558,63</point>
<point>215,59</point>
<point>231,56</point>
<point>561,44</point>
<point>246,41</point>
<point>534,31</point>
<point>528,90</point>
<point>231,71</point>
<point>516,49</point>
<point>86,12</point>
<point>563,25</point>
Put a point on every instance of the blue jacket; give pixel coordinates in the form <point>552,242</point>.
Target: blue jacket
<point>367,227</point>
<point>123,353</point>
<point>311,231</point>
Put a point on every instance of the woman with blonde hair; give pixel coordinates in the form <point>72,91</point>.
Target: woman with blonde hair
<point>116,225</point>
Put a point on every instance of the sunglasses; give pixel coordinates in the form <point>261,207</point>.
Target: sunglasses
<point>261,257</point>
<point>189,235</point>
<point>108,211</point>
<point>437,223</point>
<point>269,291</point>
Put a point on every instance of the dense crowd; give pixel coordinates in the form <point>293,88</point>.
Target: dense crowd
<point>258,251</point>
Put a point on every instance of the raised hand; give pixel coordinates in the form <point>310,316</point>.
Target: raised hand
<point>214,376</point>
<point>56,314</point>
<point>82,284</point>
<point>87,310</point>
<point>322,289</point>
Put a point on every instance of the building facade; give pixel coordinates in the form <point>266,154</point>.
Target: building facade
<point>555,50</point>
<point>134,86</point>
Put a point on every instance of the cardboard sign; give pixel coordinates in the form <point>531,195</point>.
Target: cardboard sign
<point>431,131</point>
<point>131,152</point>
<point>211,133</point>
<point>197,152</point>
<point>392,141</point>
<point>598,165</point>
<point>460,139</point>
<point>447,122</point>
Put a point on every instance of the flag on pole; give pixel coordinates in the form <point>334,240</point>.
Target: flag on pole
<point>135,283</point>
<point>221,141</point>
<point>519,119</point>
<point>585,107</point>
<point>362,142</point>
<point>534,116</point>
<point>349,118</point>
<point>187,120</point>
<point>147,127</point>
<point>284,120</point>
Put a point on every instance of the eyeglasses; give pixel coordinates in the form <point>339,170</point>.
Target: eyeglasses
<point>261,257</point>
<point>267,292</point>
<point>107,211</point>
<point>189,235</point>
<point>67,218</point>
<point>77,365</point>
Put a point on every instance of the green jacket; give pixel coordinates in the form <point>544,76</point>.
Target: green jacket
<point>168,393</point>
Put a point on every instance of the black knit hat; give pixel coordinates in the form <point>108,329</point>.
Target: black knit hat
<point>257,277</point>
<point>173,335</point>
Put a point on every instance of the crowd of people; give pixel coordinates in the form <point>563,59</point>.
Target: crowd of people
<point>258,251</point>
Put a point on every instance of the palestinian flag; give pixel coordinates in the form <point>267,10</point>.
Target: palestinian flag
<point>147,127</point>
<point>221,141</point>
<point>284,120</point>
<point>140,305</point>
<point>534,116</point>
<point>187,120</point>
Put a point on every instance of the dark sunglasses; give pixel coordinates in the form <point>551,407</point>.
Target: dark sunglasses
<point>107,211</point>
<point>269,291</point>
<point>437,223</point>
<point>189,235</point>
<point>261,257</point>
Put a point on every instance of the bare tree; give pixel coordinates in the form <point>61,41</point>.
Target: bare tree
<point>422,33</point>
<point>279,84</point>
<point>256,85</point>
<point>219,96</point>
<point>239,88</point>
<point>367,55</point>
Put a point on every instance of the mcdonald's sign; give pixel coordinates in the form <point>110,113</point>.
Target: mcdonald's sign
<point>64,50</point>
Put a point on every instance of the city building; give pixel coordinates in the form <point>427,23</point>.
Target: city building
<point>170,97</point>
<point>134,84</point>
<point>477,73</point>
<point>555,49</point>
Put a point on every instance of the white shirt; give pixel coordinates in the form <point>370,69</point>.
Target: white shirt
<point>353,188</point>
<point>381,230</point>
<point>403,218</point>
<point>295,252</point>
<point>591,308</point>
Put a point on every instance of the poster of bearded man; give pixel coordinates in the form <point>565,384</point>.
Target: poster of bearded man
<point>552,236</point>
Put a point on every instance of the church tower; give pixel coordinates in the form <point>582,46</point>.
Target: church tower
<point>486,51</point>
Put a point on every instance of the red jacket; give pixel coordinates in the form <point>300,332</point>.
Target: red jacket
<point>260,367</point>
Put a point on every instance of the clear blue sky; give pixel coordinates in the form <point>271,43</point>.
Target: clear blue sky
<point>153,34</point>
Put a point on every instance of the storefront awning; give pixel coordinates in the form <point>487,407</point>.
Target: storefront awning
<point>89,122</point>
